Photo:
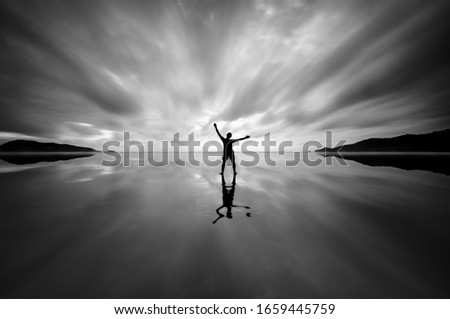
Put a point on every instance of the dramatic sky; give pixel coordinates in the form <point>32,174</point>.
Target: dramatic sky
<point>85,71</point>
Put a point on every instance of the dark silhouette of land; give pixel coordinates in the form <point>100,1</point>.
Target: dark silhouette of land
<point>228,152</point>
<point>432,163</point>
<point>23,159</point>
<point>431,142</point>
<point>408,152</point>
<point>34,146</point>
<point>227,200</point>
<point>21,152</point>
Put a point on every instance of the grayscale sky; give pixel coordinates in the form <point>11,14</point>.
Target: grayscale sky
<point>83,72</point>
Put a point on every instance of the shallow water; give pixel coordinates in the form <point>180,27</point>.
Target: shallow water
<point>77,229</point>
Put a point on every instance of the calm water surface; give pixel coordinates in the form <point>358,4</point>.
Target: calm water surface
<point>77,229</point>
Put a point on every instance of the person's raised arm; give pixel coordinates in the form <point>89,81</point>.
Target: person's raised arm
<point>218,133</point>
<point>242,138</point>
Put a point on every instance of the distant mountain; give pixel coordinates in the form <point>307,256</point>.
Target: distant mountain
<point>431,142</point>
<point>33,146</point>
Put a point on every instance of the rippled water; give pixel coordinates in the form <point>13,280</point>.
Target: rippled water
<point>77,229</point>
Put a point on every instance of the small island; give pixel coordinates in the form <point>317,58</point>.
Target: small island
<point>21,152</point>
<point>34,146</point>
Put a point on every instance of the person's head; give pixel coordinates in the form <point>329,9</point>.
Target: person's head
<point>229,135</point>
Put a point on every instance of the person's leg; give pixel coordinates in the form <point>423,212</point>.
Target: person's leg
<point>234,165</point>
<point>223,164</point>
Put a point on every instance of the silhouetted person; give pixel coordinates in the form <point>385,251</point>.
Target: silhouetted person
<point>228,152</point>
<point>227,199</point>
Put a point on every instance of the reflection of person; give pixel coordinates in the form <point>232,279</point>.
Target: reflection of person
<point>227,200</point>
<point>228,152</point>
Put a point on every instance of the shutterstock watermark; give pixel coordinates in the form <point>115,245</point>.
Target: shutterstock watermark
<point>197,154</point>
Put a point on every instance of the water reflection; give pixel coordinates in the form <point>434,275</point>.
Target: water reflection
<point>76,229</point>
<point>436,163</point>
<point>227,199</point>
<point>33,158</point>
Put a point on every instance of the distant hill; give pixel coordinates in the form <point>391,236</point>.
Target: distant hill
<point>430,142</point>
<point>33,146</point>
